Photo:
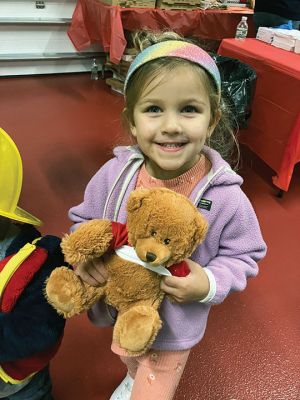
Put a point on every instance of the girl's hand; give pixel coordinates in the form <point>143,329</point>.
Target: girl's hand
<point>193,287</point>
<point>93,272</point>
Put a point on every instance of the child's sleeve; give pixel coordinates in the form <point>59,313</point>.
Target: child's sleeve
<point>94,199</point>
<point>33,325</point>
<point>241,247</point>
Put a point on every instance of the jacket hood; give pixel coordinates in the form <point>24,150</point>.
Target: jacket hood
<point>222,171</point>
<point>126,153</point>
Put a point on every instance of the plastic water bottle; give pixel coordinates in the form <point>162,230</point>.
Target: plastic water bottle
<point>242,29</point>
<point>94,71</point>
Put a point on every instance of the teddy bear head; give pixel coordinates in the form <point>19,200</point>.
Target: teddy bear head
<point>163,226</point>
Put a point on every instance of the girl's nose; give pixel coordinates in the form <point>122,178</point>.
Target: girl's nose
<point>171,124</point>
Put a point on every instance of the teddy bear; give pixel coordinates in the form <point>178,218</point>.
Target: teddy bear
<point>162,229</point>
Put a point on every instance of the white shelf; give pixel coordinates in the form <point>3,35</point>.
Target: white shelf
<point>26,10</point>
<point>35,41</point>
<point>45,66</point>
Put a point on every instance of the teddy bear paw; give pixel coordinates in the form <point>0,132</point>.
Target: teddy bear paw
<point>64,291</point>
<point>137,328</point>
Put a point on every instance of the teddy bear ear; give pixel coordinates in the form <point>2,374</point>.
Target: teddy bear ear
<point>136,199</point>
<point>201,227</point>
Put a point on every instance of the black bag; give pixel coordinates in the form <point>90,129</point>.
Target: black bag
<point>238,86</point>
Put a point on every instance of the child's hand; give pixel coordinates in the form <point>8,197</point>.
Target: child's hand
<point>193,287</point>
<point>93,272</point>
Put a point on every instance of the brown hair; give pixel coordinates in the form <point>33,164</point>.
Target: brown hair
<point>223,138</point>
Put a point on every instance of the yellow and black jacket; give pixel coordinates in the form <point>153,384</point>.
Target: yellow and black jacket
<point>30,329</point>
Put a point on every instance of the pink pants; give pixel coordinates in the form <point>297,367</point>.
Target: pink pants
<point>156,374</point>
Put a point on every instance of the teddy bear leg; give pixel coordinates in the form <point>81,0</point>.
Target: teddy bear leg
<point>136,328</point>
<point>68,294</point>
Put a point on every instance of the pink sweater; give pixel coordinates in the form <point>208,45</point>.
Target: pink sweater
<point>183,184</point>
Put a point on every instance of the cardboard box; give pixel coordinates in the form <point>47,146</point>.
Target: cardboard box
<point>130,3</point>
<point>178,4</point>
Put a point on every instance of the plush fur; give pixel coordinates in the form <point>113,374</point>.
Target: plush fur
<point>161,224</point>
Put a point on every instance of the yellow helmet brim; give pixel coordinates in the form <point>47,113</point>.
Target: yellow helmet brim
<point>21,216</point>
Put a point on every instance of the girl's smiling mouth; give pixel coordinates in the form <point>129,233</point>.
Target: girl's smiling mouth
<point>174,146</point>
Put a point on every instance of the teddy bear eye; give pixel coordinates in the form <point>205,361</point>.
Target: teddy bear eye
<point>153,233</point>
<point>167,241</point>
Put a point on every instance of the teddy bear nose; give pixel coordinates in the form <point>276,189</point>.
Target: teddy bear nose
<point>150,257</point>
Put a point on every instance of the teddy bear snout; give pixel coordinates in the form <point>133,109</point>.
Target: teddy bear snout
<point>149,250</point>
<point>150,257</point>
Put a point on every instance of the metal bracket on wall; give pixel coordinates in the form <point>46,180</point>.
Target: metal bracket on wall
<point>34,21</point>
<point>40,4</point>
<point>53,56</point>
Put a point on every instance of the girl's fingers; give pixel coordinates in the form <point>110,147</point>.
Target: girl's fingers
<point>172,281</point>
<point>87,278</point>
<point>93,273</point>
<point>100,275</point>
<point>100,268</point>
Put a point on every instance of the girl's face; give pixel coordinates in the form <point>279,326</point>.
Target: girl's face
<point>172,119</point>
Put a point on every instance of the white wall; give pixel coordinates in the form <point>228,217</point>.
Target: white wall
<point>35,41</point>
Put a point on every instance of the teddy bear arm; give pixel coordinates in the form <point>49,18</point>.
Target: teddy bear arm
<point>91,240</point>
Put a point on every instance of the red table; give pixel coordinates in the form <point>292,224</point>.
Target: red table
<point>95,22</point>
<point>273,132</point>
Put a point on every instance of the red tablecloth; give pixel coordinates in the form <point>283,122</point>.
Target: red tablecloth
<point>95,22</point>
<point>273,132</point>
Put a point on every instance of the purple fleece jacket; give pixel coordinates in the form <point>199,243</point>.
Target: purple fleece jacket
<point>230,252</point>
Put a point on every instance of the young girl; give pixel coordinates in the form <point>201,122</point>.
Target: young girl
<point>173,109</point>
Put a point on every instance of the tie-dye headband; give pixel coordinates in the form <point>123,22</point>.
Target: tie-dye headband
<point>180,49</point>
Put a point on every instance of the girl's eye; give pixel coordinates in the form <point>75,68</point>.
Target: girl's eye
<point>153,109</point>
<point>189,109</point>
<point>153,233</point>
<point>167,241</point>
